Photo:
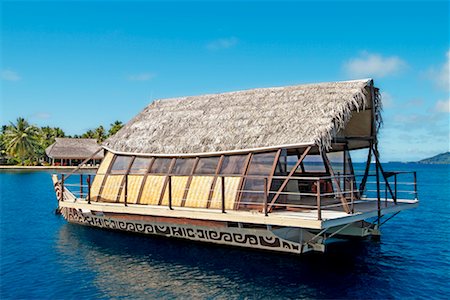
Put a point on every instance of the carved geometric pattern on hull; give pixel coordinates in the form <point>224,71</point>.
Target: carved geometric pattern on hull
<point>243,237</point>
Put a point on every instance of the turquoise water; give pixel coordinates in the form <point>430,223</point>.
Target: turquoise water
<point>43,257</point>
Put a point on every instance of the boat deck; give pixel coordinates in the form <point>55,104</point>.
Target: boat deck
<point>331,216</point>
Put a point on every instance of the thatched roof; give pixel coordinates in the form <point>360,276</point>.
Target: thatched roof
<point>68,148</point>
<point>251,119</point>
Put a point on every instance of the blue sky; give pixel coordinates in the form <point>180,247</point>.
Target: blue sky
<point>80,64</point>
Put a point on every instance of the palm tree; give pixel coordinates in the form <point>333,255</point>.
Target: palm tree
<point>48,135</point>
<point>100,134</point>
<point>88,134</point>
<point>116,126</point>
<point>21,140</point>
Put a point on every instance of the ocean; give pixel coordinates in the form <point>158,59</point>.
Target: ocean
<point>44,257</point>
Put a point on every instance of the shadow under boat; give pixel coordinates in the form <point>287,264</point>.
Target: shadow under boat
<point>135,265</point>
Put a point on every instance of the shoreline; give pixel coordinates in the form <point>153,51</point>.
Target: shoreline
<point>39,168</point>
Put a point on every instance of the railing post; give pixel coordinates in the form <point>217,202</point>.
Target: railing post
<point>62,187</point>
<point>265,197</point>
<point>319,210</point>
<point>170,192</point>
<point>395,188</point>
<point>81,185</point>
<point>385,193</point>
<point>340,180</point>
<point>351,195</point>
<point>223,194</point>
<point>126,190</point>
<point>415,185</point>
<point>378,191</point>
<point>89,189</point>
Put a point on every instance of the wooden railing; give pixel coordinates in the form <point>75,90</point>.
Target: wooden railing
<point>343,188</point>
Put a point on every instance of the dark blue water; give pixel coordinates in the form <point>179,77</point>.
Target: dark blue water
<point>44,257</point>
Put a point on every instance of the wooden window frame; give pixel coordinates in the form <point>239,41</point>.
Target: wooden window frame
<point>188,183</point>
<point>144,180</point>
<point>242,181</point>
<point>213,184</point>
<point>291,173</point>
<point>166,180</point>
<point>124,180</point>
<point>105,177</point>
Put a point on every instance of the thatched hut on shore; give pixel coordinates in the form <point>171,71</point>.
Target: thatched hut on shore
<point>72,151</point>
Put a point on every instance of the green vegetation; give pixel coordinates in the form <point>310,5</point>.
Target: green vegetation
<point>443,158</point>
<point>24,144</point>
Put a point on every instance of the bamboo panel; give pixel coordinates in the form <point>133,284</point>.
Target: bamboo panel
<point>95,187</point>
<point>152,189</point>
<point>231,189</point>
<point>103,168</point>
<point>178,188</point>
<point>199,191</point>
<point>134,185</point>
<point>111,188</point>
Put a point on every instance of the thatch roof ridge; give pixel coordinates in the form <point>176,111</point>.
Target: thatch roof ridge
<point>255,118</point>
<point>274,88</point>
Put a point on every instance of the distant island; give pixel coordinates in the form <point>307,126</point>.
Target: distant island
<point>443,158</point>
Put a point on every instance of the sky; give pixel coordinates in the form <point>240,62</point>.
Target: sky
<point>80,64</point>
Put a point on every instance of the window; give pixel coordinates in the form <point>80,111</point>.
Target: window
<point>140,165</point>
<point>314,164</point>
<point>161,166</point>
<point>183,166</point>
<point>207,166</point>
<point>121,164</point>
<point>233,164</point>
<point>260,165</point>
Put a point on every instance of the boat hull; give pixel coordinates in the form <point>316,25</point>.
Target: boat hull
<point>256,238</point>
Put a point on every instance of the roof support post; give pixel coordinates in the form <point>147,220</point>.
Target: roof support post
<point>336,180</point>
<point>163,190</point>
<point>213,184</point>
<point>291,173</point>
<point>388,186</point>
<point>362,185</point>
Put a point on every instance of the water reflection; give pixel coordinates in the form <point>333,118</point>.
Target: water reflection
<point>131,265</point>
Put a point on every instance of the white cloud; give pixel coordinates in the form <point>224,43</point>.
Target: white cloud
<point>441,76</point>
<point>42,115</point>
<point>442,106</point>
<point>223,43</point>
<point>387,99</point>
<point>374,65</point>
<point>10,75</point>
<point>141,77</point>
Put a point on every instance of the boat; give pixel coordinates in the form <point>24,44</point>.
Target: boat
<point>266,168</point>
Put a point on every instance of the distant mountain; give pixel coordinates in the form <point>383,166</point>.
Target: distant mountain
<point>443,158</point>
